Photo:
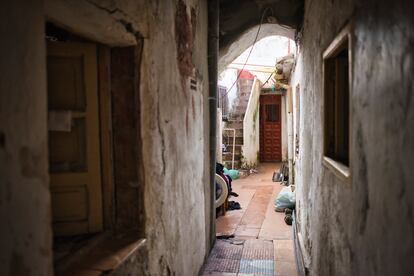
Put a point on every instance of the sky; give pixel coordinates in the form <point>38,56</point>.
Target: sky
<point>265,52</point>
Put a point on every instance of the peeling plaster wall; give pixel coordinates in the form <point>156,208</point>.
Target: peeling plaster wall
<point>174,127</point>
<point>251,128</point>
<point>174,122</point>
<point>25,232</point>
<point>364,227</point>
<point>175,138</point>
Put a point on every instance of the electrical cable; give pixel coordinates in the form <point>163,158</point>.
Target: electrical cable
<point>251,49</point>
<point>271,74</point>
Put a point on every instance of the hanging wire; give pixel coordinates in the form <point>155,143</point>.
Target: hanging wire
<point>271,74</point>
<point>251,49</point>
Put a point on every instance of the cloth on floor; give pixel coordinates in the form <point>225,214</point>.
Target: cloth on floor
<point>233,205</point>
<point>220,171</point>
<point>234,174</point>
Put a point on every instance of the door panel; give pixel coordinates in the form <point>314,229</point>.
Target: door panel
<point>74,156</point>
<point>270,128</point>
<point>66,80</point>
<point>67,150</point>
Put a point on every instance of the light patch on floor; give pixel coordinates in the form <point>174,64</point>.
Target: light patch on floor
<point>256,267</point>
<point>263,242</point>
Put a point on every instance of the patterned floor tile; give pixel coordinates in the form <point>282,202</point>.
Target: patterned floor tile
<point>258,250</point>
<point>257,267</point>
<point>226,250</point>
<point>222,265</point>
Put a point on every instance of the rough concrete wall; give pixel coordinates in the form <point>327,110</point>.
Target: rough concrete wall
<point>301,160</point>
<point>174,117</point>
<point>363,227</point>
<point>174,136</point>
<point>25,232</point>
<point>251,128</point>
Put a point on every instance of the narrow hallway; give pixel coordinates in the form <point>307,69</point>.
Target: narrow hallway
<point>114,115</point>
<point>260,241</point>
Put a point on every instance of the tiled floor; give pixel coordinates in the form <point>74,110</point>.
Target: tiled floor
<point>263,242</point>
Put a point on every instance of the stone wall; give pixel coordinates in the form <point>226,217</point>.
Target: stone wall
<point>363,227</point>
<point>25,232</point>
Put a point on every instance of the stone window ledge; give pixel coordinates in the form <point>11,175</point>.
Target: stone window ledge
<point>106,256</point>
<point>340,170</point>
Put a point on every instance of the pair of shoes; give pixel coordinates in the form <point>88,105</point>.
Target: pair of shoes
<point>288,211</point>
<point>234,205</point>
<point>234,194</point>
<point>288,219</point>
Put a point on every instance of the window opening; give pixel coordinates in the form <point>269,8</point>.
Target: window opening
<point>272,113</point>
<point>336,91</point>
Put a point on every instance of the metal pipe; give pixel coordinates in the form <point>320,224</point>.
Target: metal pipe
<point>213,48</point>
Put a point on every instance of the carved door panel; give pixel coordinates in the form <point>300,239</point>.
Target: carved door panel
<point>270,128</point>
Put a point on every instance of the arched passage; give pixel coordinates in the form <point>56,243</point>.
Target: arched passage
<point>229,52</point>
<point>240,19</point>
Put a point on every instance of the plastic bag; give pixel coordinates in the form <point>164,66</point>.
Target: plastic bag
<point>232,173</point>
<point>285,199</point>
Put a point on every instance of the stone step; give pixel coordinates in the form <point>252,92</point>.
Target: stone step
<point>228,157</point>
<point>229,141</point>
<point>237,148</point>
<point>227,164</point>
<point>239,140</point>
<point>234,124</point>
<point>239,133</point>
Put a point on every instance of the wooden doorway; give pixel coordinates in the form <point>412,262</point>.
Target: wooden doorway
<point>270,128</point>
<point>74,142</point>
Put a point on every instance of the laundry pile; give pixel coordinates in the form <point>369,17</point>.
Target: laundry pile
<point>228,176</point>
<point>285,202</point>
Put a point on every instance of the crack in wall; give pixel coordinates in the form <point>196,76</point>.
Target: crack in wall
<point>123,21</point>
<point>108,10</point>
<point>161,133</point>
<point>363,176</point>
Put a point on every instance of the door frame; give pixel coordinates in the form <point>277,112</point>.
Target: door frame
<point>261,128</point>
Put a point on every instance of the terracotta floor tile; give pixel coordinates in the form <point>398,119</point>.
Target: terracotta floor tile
<point>255,213</point>
<point>285,269</point>
<point>284,250</point>
<point>242,230</point>
<point>274,226</point>
<point>268,248</point>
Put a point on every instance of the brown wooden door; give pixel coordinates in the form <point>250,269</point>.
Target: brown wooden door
<point>270,128</point>
<point>74,156</point>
